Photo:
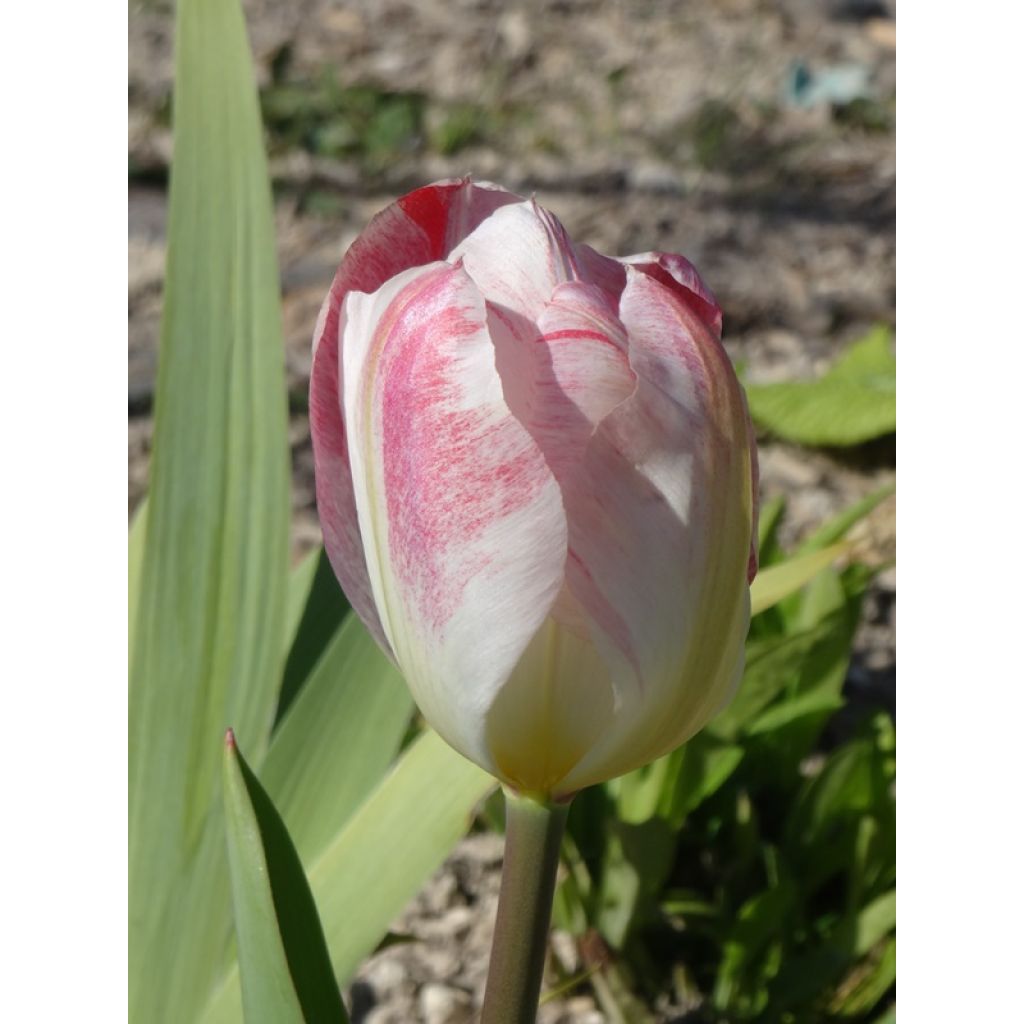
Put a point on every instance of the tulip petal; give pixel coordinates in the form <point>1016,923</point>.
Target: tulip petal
<point>420,228</point>
<point>460,516</point>
<point>517,257</point>
<point>680,275</point>
<point>558,703</point>
<point>661,521</point>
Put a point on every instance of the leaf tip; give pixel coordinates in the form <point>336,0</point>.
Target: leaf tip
<point>229,739</point>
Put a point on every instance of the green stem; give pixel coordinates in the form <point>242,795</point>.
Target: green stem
<point>533,835</point>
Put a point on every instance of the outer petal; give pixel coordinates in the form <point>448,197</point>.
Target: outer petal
<point>679,274</point>
<point>661,519</point>
<point>461,519</point>
<point>517,257</point>
<point>420,228</point>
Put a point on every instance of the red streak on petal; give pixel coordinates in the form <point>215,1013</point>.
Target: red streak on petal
<point>452,468</point>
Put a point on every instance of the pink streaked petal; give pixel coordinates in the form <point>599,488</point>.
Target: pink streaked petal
<point>461,517</point>
<point>420,228</point>
<point>335,497</point>
<point>608,274</point>
<point>678,273</point>
<point>661,519</point>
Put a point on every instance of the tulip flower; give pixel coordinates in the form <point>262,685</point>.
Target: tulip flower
<point>537,485</point>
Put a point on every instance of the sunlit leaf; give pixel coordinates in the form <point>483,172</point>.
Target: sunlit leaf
<point>779,581</point>
<point>854,402</point>
<point>207,633</point>
<point>285,969</point>
<point>384,853</point>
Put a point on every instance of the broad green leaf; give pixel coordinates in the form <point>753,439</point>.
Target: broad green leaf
<point>778,581</point>
<point>854,402</point>
<point>382,856</point>
<point>316,608</point>
<point>285,968</point>
<point>874,922</point>
<point>337,738</point>
<point>207,645</point>
<point>871,356</point>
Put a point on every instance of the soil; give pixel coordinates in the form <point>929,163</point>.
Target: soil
<point>755,137</point>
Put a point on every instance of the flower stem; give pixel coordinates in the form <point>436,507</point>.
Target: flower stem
<point>533,835</point>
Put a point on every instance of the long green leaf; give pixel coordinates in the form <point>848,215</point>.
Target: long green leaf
<point>776,582</point>
<point>285,968</point>
<point>208,626</point>
<point>316,608</point>
<point>382,856</point>
<point>337,739</point>
<point>136,547</point>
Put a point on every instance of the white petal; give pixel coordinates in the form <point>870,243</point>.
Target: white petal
<point>461,518</point>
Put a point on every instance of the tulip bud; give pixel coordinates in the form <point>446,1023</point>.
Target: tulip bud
<point>537,484</point>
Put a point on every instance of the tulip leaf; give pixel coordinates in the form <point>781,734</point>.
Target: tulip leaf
<point>776,582</point>
<point>874,922</point>
<point>136,546</point>
<point>337,739</point>
<point>285,969</point>
<point>852,403</point>
<point>207,628</point>
<point>316,608</point>
<point>378,860</point>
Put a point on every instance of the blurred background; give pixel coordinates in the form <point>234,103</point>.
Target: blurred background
<point>755,137</point>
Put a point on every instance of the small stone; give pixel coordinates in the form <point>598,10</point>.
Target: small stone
<point>385,975</point>
<point>563,945</point>
<point>440,1004</point>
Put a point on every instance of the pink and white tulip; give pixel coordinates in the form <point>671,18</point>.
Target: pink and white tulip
<point>537,484</point>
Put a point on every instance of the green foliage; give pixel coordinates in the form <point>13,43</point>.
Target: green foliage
<point>462,125</point>
<point>212,566</point>
<point>221,635</point>
<point>332,120</point>
<point>285,968</point>
<point>400,834</point>
<point>853,402</point>
<point>761,855</point>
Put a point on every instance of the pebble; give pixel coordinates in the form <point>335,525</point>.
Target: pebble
<point>440,1004</point>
